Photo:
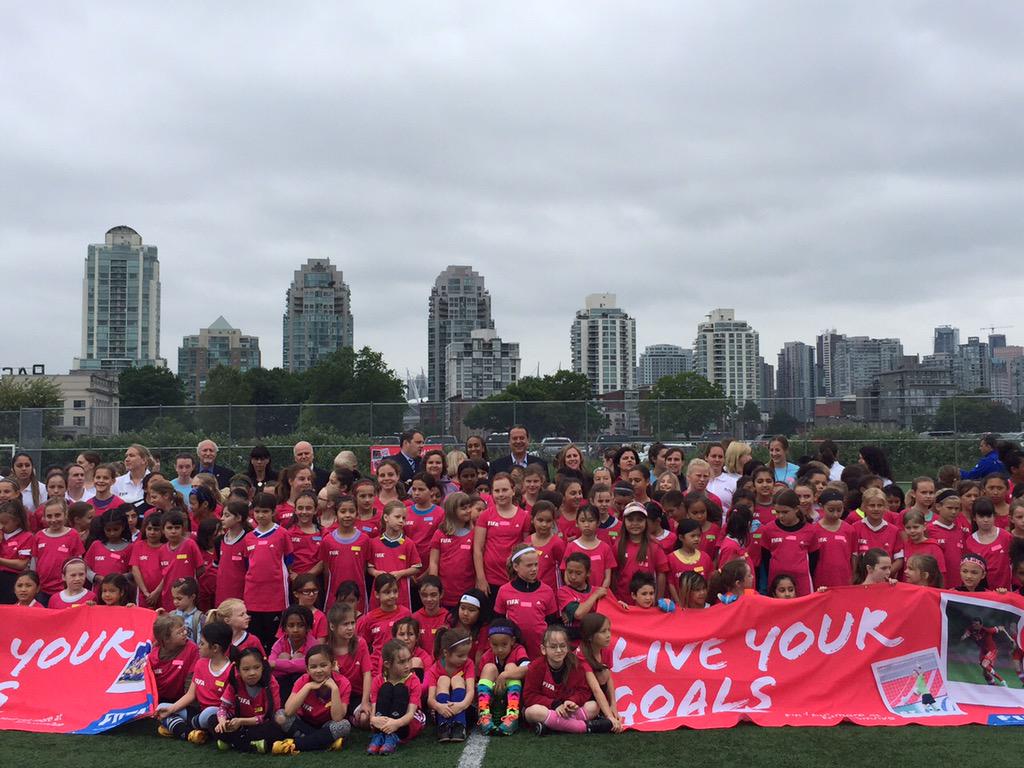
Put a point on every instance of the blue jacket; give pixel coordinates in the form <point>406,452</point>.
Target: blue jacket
<point>988,464</point>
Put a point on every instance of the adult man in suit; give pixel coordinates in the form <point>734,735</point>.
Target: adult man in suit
<point>303,453</point>
<point>208,450</point>
<point>408,457</point>
<point>518,444</point>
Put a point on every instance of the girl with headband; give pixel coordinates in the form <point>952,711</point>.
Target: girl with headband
<point>525,599</point>
<point>449,683</point>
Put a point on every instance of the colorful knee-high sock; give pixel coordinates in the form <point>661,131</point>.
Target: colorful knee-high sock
<point>514,692</point>
<point>484,692</point>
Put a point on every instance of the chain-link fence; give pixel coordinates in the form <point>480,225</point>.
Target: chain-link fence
<point>918,432</point>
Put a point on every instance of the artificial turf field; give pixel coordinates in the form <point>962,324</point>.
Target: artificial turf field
<point>845,746</point>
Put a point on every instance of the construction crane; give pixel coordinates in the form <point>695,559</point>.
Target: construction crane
<point>992,328</point>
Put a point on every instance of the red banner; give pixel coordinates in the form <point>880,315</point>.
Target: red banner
<point>79,670</point>
<point>873,655</point>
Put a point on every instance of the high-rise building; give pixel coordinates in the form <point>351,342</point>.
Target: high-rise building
<point>660,360</point>
<point>857,361</point>
<point>459,304</point>
<point>766,385</point>
<point>220,344</point>
<point>725,352</point>
<point>972,367</point>
<point>603,344</point>
<point>947,340</point>
<point>120,304</point>
<point>795,390</point>
<point>826,345</point>
<point>481,365</point>
<point>317,315</point>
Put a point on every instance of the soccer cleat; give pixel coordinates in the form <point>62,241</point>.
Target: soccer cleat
<point>541,730</point>
<point>197,736</point>
<point>375,744</point>
<point>223,746</point>
<point>390,744</point>
<point>509,725</point>
<point>284,747</point>
<point>599,725</point>
<point>336,745</point>
<point>259,746</point>
<point>164,732</point>
<point>444,732</point>
<point>458,732</point>
<point>485,723</point>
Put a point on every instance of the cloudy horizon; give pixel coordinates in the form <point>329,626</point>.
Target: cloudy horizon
<point>813,166</point>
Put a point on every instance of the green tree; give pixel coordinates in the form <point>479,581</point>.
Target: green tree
<point>750,412</point>
<point>556,404</point>
<point>975,414</point>
<point>350,381</point>
<point>143,390</point>
<point>227,397</point>
<point>782,423</point>
<point>688,404</point>
<point>32,392</point>
<point>283,391</point>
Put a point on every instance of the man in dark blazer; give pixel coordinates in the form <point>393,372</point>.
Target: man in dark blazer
<point>303,453</point>
<point>518,444</point>
<point>408,457</point>
<point>207,451</point>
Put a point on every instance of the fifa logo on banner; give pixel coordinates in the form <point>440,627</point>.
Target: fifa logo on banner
<point>1006,719</point>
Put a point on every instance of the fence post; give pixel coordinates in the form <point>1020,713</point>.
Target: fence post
<point>371,423</point>
<point>230,414</point>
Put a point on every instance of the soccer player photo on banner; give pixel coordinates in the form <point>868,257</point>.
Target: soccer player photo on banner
<point>914,685</point>
<point>981,651</point>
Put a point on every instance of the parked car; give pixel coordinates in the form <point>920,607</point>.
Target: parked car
<point>550,446</point>
<point>447,442</point>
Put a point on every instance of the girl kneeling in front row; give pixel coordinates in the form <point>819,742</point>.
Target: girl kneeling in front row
<point>556,692</point>
<point>251,699</point>
<point>314,715</point>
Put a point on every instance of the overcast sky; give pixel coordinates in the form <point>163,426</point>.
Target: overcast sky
<point>813,165</point>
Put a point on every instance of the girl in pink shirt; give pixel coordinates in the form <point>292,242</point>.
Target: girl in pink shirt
<point>288,656</point>
<point>26,587</point>
<point>53,546</point>
<point>550,547</point>
<point>599,552</point>
<point>497,531</point>
<point>74,593</point>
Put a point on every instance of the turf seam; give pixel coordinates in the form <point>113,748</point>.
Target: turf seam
<point>474,750</point>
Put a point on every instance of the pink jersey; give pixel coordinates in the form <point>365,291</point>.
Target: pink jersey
<point>710,540</point>
<point>601,555</point>
<point>210,684</point>
<point>248,640</point>
<point>610,530</point>
<point>764,513</point>
<point>391,556</point>
<point>528,611</point>
<point>730,549</point>
<point>172,673</point>
<point>375,627</point>
<point>950,539</point>
<point>517,656</point>
<point>50,553</point>
<point>454,564</point>
<point>566,528</point>
<point>997,557</point>
<point>502,533</point>
<point>102,560</point>
<point>146,558</point>
<point>835,556</point>
<point>239,703</point>
<point>305,549</point>
<point>266,580</point>
<point>549,557</point>
<point>371,526</point>
<point>16,545</point>
<point>677,567</point>
<point>316,707</point>
<point>320,626</point>
<point>344,559</point>
<point>420,525</point>
<point>565,597</point>
<point>436,671</point>
<point>667,540</point>
<point>886,537</point>
<point>231,568</point>
<point>789,553</point>
<point>926,547</point>
<point>284,513</point>
<point>654,563</point>
<point>183,561</point>
<point>431,627</point>
<point>354,665</point>
<point>61,600</point>
<point>415,693</point>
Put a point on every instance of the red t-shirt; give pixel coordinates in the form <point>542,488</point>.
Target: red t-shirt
<point>997,556</point>
<point>420,525</point>
<point>50,554</point>
<point>284,513</point>
<point>436,670</point>
<point>239,703</point>
<point>549,560</point>
<point>266,580</point>
<point>354,665</point>
<point>103,560</point>
<point>835,556</point>
<point>315,709</point>
<point>668,541</point>
<point>344,559</point>
<point>676,566</point>
<point>610,530</point>
<point>375,626</point>
<point>926,547</point>
<point>731,549</point>
<point>517,656</point>
<point>58,601</point>
<point>210,685</point>
<point>430,626</point>
<point>565,596</point>
<point>454,564</point>
<point>710,540</point>
<point>566,528</point>
<point>391,556</point>
<point>305,549</point>
<point>411,682</point>
<point>372,526</point>
<point>16,546</point>
<point>181,562</point>
<point>654,563</point>
<point>790,550</point>
<point>503,533</point>
<point>886,537</point>
<point>601,555</point>
<point>146,558</point>
<point>171,673</point>
<point>231,569</point>
<point>528,611</point>
<point>950,539</point>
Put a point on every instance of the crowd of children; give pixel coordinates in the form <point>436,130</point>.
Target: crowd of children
<point>285,616</point>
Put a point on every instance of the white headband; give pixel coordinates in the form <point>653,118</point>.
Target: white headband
<point>459,642</point>
<point>469,599</point>
<point>521,552</point>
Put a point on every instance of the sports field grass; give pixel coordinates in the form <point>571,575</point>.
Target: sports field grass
<point>845,746</point>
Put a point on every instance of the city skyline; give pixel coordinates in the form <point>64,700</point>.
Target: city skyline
<point>743,168</point>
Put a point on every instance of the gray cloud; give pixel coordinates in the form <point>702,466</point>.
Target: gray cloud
<point>812,165</point>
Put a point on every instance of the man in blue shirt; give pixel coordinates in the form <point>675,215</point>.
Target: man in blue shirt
<point>989,461</point>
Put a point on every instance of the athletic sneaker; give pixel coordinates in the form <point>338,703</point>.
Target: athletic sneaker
<point>509,725</point>
<point>197,737</point>
<point>390,744</point>
<point>336,745</point>
<point>375,744</point>
<point>444,732</point>
<point>485,723</point>
<point>259,746</point>
<point>599,725</point>
<point>284,747</point>
<point>223,746</point>
<point>541,730</point>
<point>457,732</point>
<point>164,732</point>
